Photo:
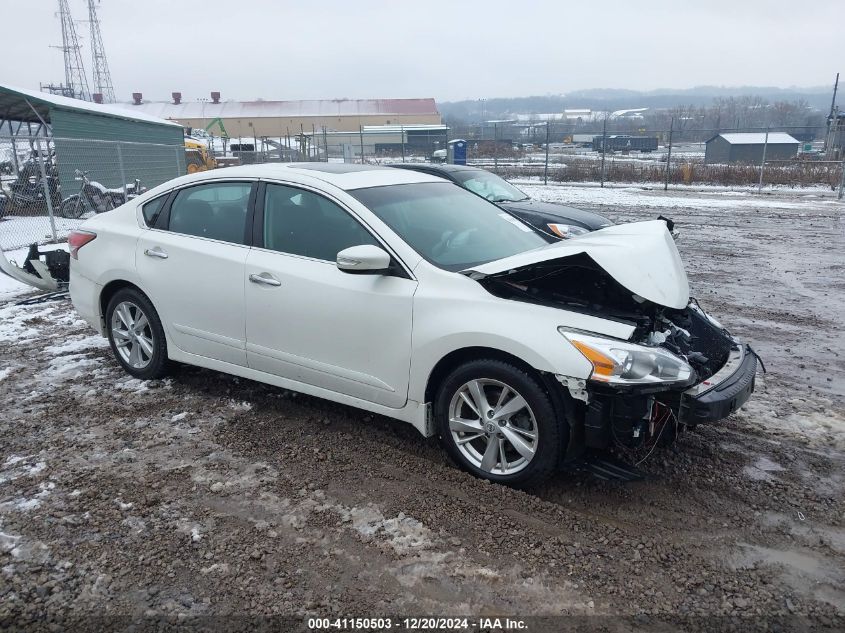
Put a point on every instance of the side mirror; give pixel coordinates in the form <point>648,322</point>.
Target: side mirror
<point>364,259</point>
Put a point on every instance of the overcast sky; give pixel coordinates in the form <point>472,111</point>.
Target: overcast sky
<point>449,50</point>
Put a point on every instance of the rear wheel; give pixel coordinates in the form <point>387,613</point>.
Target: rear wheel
<point>72,208</point>
<point>136,335</point>
<point>497,422</point>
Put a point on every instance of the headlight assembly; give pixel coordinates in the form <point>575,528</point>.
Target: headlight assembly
<point>565,231</point>
<point>622,363</point>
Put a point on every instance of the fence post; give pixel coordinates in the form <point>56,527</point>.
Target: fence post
<point>326,142</point>
<point>496,147</point>
<point>603,148</point>
<point>14,151</point>
<point>46,187</point>
<point>402,138</point>
<point>763,161</point>
<point>546,168</point>
<point>361,132</point>
<point>122,172</point>
<point>842,182</point>
<point>669,154</point>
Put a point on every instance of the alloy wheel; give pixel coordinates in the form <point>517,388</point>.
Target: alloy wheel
<point>132,334</point>
<point>493,426</point>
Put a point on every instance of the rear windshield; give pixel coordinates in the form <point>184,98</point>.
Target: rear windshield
<point>447,225</point>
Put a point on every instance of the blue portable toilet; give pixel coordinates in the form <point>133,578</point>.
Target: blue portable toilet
<point>458,151</point>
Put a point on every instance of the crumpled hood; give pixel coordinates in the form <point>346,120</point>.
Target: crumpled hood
<point>641,256</point>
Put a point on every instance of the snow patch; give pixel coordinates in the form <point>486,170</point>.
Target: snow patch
<point>242,406</point>
<point>24,504</point>
<point>592,195</point>
<point>403,533</point>
<point>17,466</point>
<point>77,345</point>
<point>67,368</point>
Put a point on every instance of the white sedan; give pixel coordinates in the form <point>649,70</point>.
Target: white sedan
<point>405,295</point>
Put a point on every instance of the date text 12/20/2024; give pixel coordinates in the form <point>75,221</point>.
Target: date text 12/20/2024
<point>416,624</point>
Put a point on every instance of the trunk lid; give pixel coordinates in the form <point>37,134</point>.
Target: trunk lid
<point>640,256</point>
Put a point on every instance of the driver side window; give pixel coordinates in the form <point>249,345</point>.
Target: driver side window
<point>300,222</point>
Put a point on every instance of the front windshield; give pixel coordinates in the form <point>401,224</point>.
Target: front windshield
<point>489,186</point>
<point>447,225</point>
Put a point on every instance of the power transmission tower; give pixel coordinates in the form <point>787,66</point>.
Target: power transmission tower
<point>100,70</point>
<point>75,79</point>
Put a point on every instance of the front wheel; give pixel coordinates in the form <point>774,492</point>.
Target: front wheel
<point>497,422</point>
<point>136,335</point>
<point>72,208</point>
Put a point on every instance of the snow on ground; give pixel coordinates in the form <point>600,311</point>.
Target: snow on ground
<point>11,288</point>
<point>634,196</point>
<point>20,231</point>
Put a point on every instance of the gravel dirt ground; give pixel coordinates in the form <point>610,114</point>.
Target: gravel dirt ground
<point>208,495</point>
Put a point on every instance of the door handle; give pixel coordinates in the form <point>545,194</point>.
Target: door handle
<point>155,252</point>
<point>266,279</point>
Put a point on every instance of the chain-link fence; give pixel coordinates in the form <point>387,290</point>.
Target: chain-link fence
<point>50,185</point>
<point>810,156</point>
<point>790,156</point>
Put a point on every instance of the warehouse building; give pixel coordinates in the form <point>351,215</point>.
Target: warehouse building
<point>82,134</point>
<point>282,118</point>
<point>748,147</point>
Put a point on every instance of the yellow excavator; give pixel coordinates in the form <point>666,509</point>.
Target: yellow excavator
<point>197,156</point>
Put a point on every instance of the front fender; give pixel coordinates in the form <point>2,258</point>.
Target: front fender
<point>477,319</point>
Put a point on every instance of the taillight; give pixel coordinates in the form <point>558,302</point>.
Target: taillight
<point>78,239</point>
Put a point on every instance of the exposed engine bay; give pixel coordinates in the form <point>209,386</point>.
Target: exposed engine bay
<point>577,283</point>
<point>627,417</point>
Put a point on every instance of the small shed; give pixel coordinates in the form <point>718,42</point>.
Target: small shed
<point>747,147</point>
<point>114,144</point>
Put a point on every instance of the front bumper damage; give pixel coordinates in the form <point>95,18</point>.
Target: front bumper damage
<point>723,393</point>
<point>640,417</point>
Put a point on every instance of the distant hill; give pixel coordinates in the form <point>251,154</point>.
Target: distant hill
<point>617,99</point>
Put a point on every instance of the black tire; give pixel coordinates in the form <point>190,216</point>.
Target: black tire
<point>157,365</point>
<point>547,453</point>
<point>72,208</point>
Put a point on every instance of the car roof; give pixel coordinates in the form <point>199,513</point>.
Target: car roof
<point>444,168</point>
<point>342,175</point>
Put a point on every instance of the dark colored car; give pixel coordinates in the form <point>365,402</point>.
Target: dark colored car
<point>553,221</point>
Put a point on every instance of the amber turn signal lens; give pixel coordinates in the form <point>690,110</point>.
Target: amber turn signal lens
<point>603,366</point>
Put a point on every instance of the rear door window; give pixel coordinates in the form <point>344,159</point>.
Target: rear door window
<point>216,211</point>
<point>152,209</point>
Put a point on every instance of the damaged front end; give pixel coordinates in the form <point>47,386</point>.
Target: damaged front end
<point>678,367</point>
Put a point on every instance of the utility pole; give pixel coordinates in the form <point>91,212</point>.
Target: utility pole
<point>546,168</point>
<point>832,123</point>
<point>402,134</point>
<point>669,154</point>
<point>99,63</point>
<point>75,78</point>
<point>763,162</point>
<point>603,147</point>
<point>496,146</point>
